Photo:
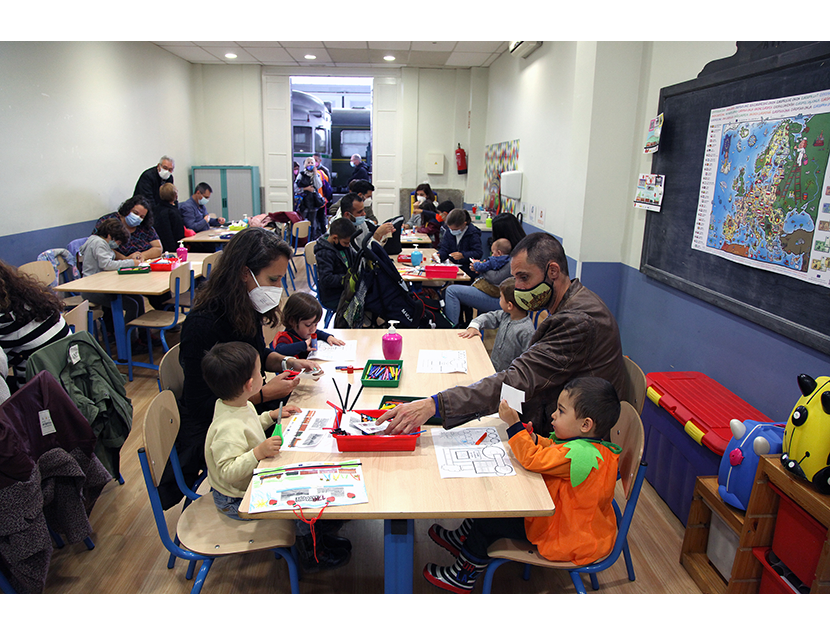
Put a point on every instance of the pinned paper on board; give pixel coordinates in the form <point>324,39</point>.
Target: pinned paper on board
<point>655,127</point>
<point>650,192</point>
<point>471,453</point>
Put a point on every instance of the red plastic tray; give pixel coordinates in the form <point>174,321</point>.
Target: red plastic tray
<point>702,406</point>
<point>441,271</point>
<point>373,443</point>
<point>798,538</point>
<point>164,264</point>
<point>771,582</point>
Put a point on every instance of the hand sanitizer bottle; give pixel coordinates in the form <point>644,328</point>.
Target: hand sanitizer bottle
<point>417,257</point>
<point>392,342</point>
<point>181,253</point>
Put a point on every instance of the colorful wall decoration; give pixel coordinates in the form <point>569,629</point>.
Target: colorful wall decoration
<point>499,158</point>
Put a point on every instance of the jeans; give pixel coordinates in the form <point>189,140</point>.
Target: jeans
<point>228,505</point>
<point>458,294</point>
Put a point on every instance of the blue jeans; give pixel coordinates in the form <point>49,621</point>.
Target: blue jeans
<point>458,294</point>
<point>228,505</point>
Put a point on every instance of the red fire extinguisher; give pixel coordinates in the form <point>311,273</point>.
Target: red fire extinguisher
<point>461,160</point>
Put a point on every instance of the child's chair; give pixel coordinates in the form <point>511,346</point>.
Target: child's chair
<point>311,274</point>
<point>628,434</point>
<point>203,531</point>
<point>636,385</point>
<point>171,374</point>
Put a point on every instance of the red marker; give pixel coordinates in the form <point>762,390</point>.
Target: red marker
<point>483,436</point>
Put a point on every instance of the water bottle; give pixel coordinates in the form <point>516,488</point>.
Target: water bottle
<point>245,219</point>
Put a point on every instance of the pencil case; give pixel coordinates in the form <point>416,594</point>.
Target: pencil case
<point>128,270</point>
<point>382,373</point>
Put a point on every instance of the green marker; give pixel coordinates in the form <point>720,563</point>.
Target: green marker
<point>278,428</point>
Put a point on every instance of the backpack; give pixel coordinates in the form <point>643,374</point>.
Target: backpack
<point>376,290</point>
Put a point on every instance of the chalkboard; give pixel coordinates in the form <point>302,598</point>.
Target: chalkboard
<point>796,309</point>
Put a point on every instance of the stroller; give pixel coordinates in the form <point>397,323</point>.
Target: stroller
<point>375,290</point>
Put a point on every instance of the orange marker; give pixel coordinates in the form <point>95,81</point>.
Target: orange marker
<point>483,436</point>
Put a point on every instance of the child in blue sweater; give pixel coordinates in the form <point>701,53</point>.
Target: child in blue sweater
<point>301,314</point>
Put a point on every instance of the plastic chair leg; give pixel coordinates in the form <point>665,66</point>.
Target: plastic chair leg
<point>577,580</point>
<point>58,540</point>
<point>293,571</point>
<point>629,565</point>
<point>200,579</point>
<point>120,479</point>
<point>296,555</point>
<point>526,573</point>
<point>5,585</point>
<point>594,581</point>
<point>89,544</point>
<point>489,572</point>
<point>191,567</point>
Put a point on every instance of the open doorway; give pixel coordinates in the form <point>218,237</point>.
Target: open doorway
<point>332,116</point>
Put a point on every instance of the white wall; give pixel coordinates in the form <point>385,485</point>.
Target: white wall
<point>80,122</point>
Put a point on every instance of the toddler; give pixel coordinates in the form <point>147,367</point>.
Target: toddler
<point>515,328</point>
<point>580,471</point>
<point>301,314</point>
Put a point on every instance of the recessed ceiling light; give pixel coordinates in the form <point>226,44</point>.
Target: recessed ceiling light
<point>389,58</point>
<point>230,56</point>
<point>311,57</point>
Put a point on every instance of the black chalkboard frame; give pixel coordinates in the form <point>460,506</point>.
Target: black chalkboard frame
<point>793,308</point>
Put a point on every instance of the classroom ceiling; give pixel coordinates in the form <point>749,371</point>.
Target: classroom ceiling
<point>350,54</point>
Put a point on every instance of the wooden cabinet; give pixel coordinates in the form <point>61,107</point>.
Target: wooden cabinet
<point>759,525</point>
<point>705,502</point>
<point>235,189</point>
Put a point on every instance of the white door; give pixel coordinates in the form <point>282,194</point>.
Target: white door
<point>276,126</point>
<point>386,147</point>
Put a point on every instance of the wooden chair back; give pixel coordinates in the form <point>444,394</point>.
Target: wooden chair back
<point>161,425</point>
<point>209,263</point>
<point>182,274</point>
<point>629,435</point>
<point>300,230</point>
<point>41,270</point>
<point>310,258</point>
<point>78,317</point>
<point>636,385</point>
<point>171,373</point>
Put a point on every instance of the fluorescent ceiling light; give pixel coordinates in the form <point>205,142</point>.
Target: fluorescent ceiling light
<point>311,57</point>
<point>230,56</point>
<point>389,58</point>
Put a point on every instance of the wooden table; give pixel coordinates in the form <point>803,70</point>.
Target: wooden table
<point>427,260</point>
<point>415,238</point>
<point>403,486</point>
<point>210,236</point>
<point>111,282</point>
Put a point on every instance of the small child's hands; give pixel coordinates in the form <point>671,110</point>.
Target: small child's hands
<point>508,414</point>
<point>470,332</point>
<point>287,411</point>
<point>333,341</point>
<point>268,448</point>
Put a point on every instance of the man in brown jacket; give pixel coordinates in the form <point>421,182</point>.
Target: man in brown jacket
<point>579,337</point>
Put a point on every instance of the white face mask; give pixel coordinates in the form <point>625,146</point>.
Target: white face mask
<point>367,203</point>
<point>422,199</point>
<point>264,298</point>
<point>164,174</point>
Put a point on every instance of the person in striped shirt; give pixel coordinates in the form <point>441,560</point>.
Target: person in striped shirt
<point>30,318</point>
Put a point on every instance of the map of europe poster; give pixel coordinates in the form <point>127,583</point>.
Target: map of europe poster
<point>764,193</point>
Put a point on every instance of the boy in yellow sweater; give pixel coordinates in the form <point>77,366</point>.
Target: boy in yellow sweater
<point>236,443</point>
<point>580,471</point>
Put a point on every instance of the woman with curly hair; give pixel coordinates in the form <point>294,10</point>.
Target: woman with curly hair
<point>30,318</point>
<point>240,295</point>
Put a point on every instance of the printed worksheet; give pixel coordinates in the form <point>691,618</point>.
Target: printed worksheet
<point>442,361</point>
<point>306,432</point>
<point>328,353</point>
<point>471,453</point>
<point>307,485</point>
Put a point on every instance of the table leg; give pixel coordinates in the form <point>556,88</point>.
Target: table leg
<point>398,555</point>
<point>117,308</point>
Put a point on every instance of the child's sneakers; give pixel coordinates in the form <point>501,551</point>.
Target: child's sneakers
<point>452,541</point>
<point>459,577</point>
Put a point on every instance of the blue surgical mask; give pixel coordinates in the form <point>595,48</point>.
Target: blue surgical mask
<point>359,220</point>
<point>133,219</point>
<point>205,201</point>
<point>351,163</point>
<point>309,168</point>
<point>113,244</point>
<point>456,232</point>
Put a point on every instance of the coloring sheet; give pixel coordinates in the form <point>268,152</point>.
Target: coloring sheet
<point>305,432</point>
<point>328,353</point>
<point>471,453</point>
<point>307,485</point>
<point>442,361</point>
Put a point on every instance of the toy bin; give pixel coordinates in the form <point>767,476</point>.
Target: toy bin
<point>374,443</point>
<point>392,380</point>
<point>722,546</point>
<point>771,582</point>
<point>686,423</point>
<point>798,538</point>
<point>441,271</point>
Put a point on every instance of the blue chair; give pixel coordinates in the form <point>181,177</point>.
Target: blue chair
<point>298,231</point>
<point>5,585</point>
<point>160,320</point>
<point>203,533</point>
<point>628,434</point>
<point>311,275</point>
